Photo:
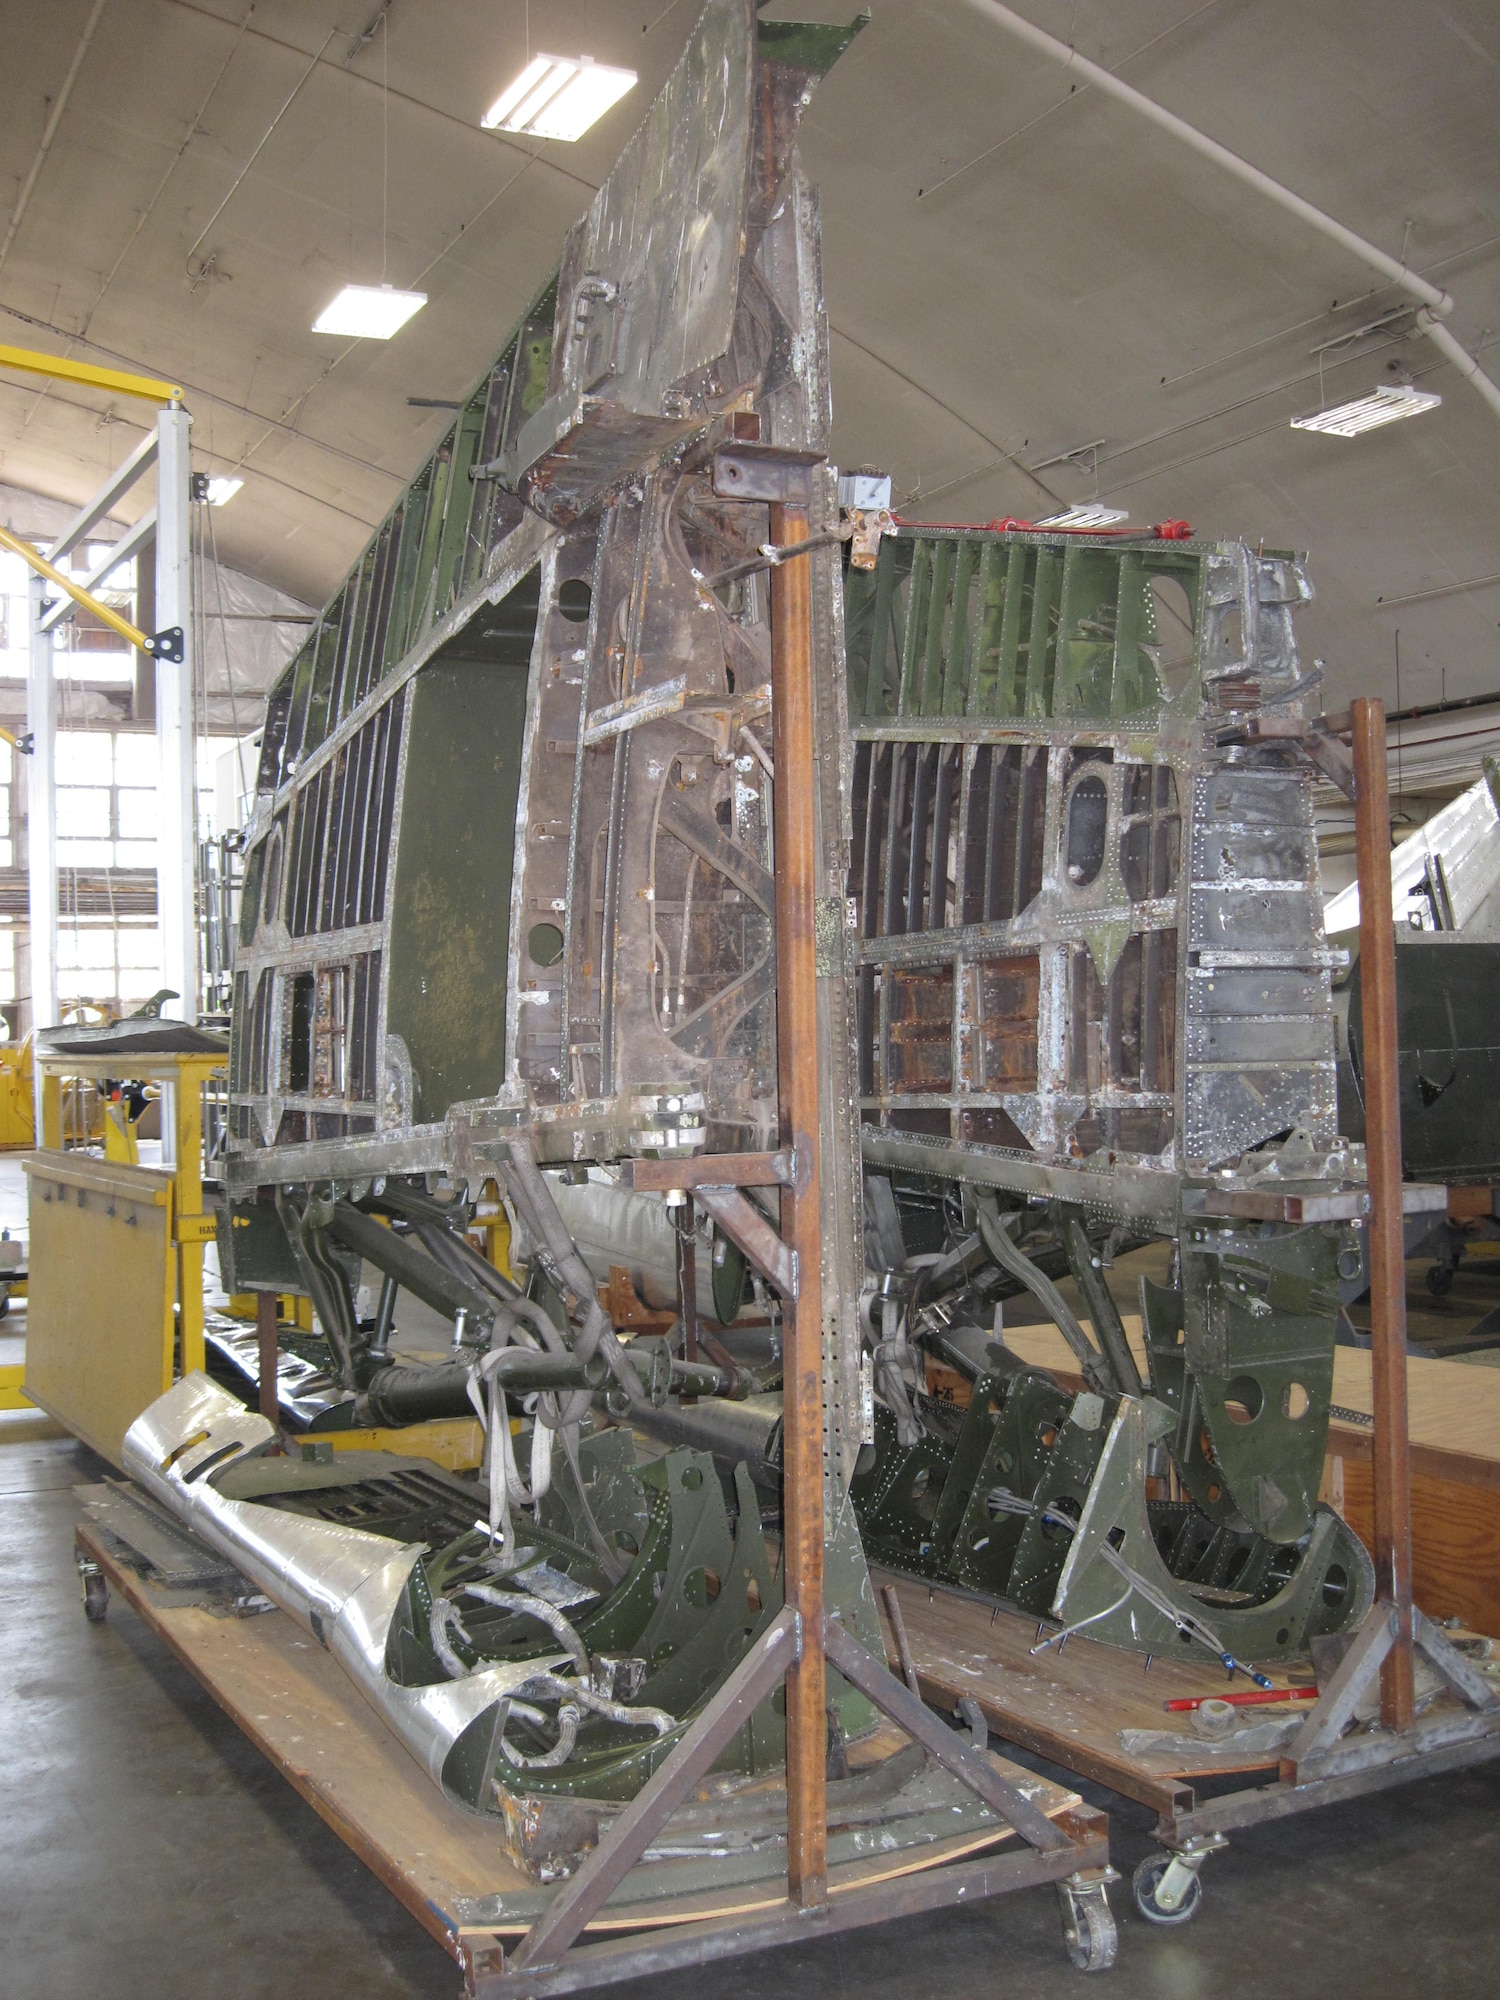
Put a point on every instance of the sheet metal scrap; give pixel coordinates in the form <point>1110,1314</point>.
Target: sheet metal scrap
<point>540,1683</point>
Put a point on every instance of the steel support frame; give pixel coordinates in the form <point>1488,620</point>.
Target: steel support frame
<point>1408,1748</point>
<point>799,1642</point>
<point>1377,957</point>
<point>41,810</point>
<point>169,522</point>
<point>177,841</point>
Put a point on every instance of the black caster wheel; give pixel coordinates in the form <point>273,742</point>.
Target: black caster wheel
<point>1089,1935</point>
<point>95,1597</point>
<point>1440,1279</point>
<point>1146,1882</point>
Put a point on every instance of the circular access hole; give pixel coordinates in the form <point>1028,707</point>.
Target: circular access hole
<point>1243,1400</point>
<point>1064,1504</point>
<point>573,600</point>
<point>544,944</point>
<point>1295,1401</point>
<point>692,1478</point>
<point>1335,1584</point>
<point>925,1494</point>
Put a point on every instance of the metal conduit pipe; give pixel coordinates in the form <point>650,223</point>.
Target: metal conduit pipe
<point>406,1394</point>
<point>1437,303</point>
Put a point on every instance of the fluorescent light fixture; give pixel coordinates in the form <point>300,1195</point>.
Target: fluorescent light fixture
<point>369,312</point>
<point>1088,515</point>
<point>1385,404</point>
<point>558,97</point>
<point>222,490</point>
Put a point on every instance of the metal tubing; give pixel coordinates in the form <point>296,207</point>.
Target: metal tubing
<point>385,1320</point>
<point>797,1063</point>
<point>119,482</point>
<point>59,104</point>
<point>1436,303</point>
<point>687,1283</point>
<point>267,1330</point>
<point>115,556</point>
<point>1104,1316</point>
<point>423,1276</point>
<point>177,833</point>
<point>1377,962</point>
<point>39,564</point>
<point>412,1395</point>
<point>41,823</point>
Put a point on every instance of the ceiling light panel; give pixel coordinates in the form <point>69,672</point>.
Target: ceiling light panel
<point>1090,515</point>
<point>369,312</point>
<point>222,490</point>
<point>558,97</point>
<point>1385,404</point>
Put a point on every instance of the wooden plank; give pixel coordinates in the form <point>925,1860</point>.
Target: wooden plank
<point>1068,1704</point>
<point>299,1709</point>
<point>1455,1528</point>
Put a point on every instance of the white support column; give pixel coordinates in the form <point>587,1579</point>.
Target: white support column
<point>177,836</point>
<point>41,812</point>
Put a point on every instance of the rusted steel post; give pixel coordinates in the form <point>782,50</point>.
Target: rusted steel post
<point>1377,975</point>
<point>797,1059</point>
<point>687,1282</point>
<point>266,1328</point>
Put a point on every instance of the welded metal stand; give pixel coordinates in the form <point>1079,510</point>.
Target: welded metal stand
<point>1318,1768</point>
<point>800,1642</point>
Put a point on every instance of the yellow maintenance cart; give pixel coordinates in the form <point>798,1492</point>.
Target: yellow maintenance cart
<point>115,1305</point>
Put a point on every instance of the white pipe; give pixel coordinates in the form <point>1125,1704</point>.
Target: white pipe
<point>177,834</point>
<point>59,106</point>
<point>1452,349</point>
<point>1437,304</point>
<point>41,814</point>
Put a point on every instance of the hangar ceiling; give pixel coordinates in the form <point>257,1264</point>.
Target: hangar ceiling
<point>1016,268</point>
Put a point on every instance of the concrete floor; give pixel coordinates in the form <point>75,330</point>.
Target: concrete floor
<point>152,1854</point>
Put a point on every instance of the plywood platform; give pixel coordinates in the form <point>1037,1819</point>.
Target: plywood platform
<point>1070,1704</point>
<point>295,1704</point>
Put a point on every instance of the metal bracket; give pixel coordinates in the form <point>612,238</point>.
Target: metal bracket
<point>749,1231</point>
<point>1338,1701</point>
<point>168,644</point>
<point>764,472</point>
<point>727,1170</point>
<point>1332,759</point>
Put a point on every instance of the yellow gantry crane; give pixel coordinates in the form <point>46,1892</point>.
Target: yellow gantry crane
<point>164,645</point>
